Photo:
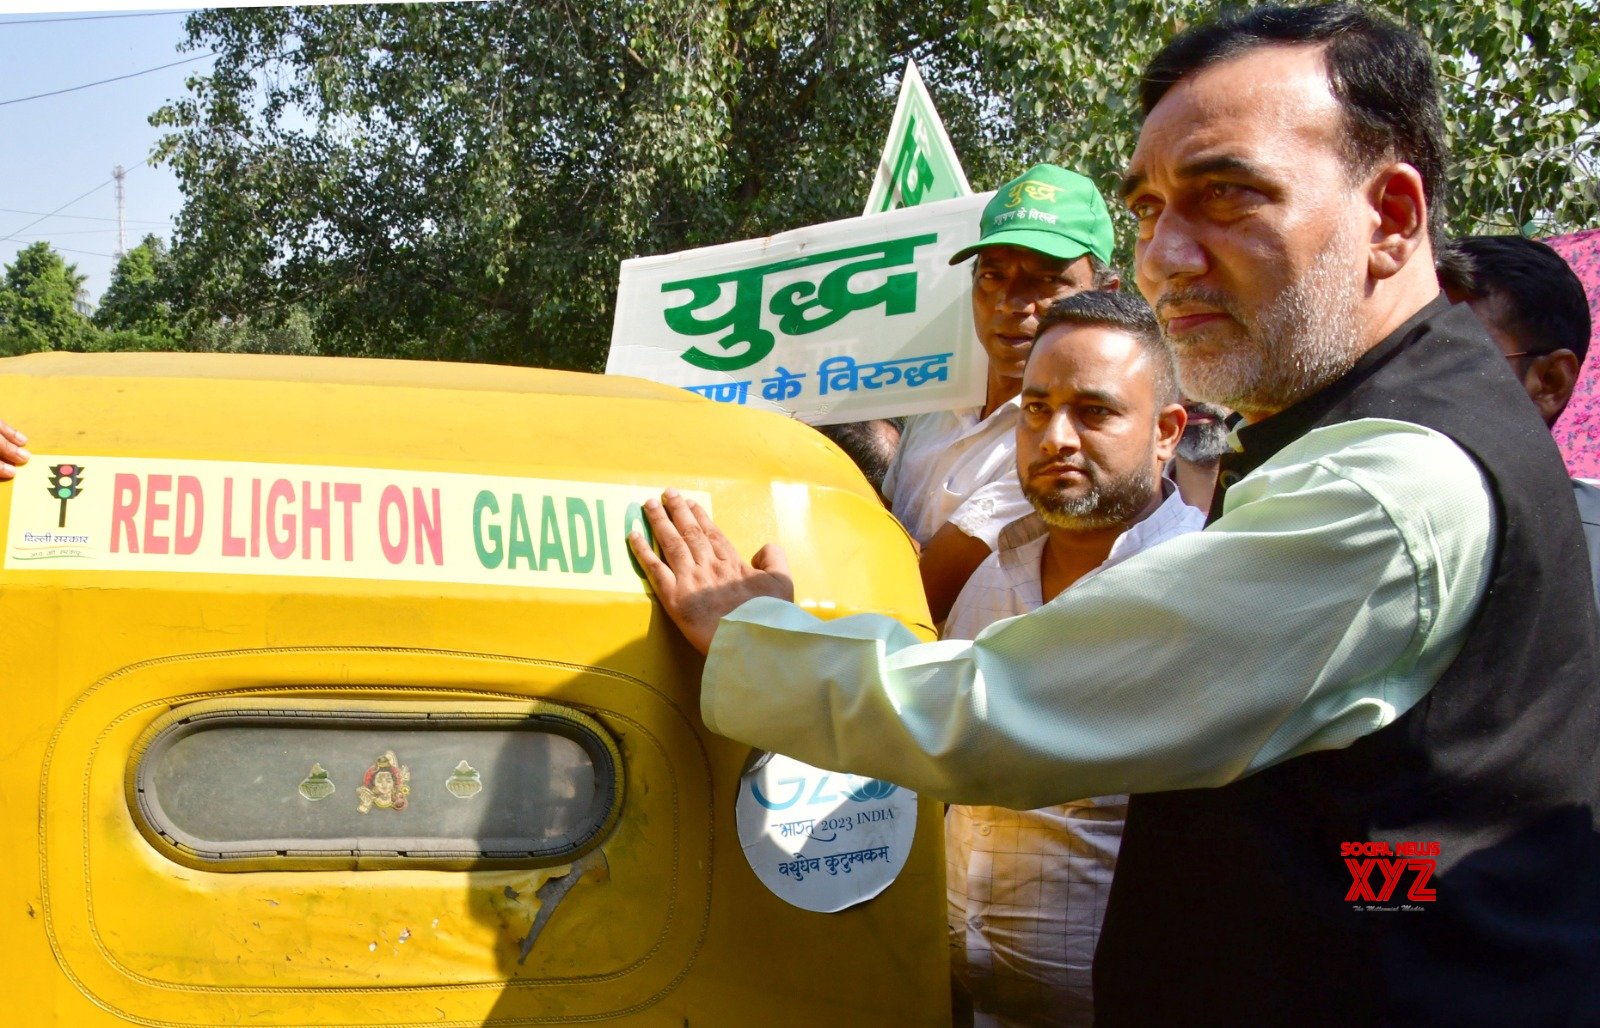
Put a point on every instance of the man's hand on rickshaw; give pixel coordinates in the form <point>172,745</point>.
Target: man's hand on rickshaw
<point>12,450</point>
<point>699,577</point>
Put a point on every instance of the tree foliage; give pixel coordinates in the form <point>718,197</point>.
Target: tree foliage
<point>138,299</point>
<point>41,308</point>
<point>460,180</point>
<point>1522,93</point>
<point>38,303</point>
<point>290,332</point>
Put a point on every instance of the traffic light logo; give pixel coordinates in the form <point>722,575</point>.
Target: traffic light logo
<point>66,481</point>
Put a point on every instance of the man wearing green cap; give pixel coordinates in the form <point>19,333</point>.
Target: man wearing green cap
<point>1044,236</point>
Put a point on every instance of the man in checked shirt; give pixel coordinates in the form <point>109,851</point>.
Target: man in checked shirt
<point>1099,418</point>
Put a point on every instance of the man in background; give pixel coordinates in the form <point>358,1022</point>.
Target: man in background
<point>1535,309</point>
<point>870,444</point>
<point>1044,236</point>
<point>1199,458</point>
<point>1099,419</point>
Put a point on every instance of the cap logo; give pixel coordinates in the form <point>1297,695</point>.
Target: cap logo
<point>1042,192</point>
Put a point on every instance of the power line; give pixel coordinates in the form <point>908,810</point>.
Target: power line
<point>52,214</point>
<point>93,17</point>
<point>36,236</point>
<point>86,253</point>
<point>78,217</point>
<point>115,78</point>
<point>58,210</point>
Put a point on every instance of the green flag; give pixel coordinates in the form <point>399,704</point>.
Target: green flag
<point>918,164</point>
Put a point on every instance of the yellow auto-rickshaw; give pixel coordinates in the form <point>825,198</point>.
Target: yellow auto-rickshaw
<point>334,697</point>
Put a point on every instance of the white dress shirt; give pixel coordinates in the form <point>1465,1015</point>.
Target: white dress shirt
<point>1027,889</point>
<point>955,466</point>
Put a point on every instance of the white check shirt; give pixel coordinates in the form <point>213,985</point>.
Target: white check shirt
<point>1027,889</point>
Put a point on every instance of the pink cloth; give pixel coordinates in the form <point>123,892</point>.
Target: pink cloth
<point>1578,430</point>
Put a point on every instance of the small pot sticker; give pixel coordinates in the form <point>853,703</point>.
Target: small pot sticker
<point>317,785</point>
<point>464,783</point>
<point>386,784</point>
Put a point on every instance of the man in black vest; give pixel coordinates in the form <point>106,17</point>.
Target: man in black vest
<point>1359,712</point>
<point>1487,785</point>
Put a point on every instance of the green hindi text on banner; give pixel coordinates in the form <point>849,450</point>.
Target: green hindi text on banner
<point>845,321</point>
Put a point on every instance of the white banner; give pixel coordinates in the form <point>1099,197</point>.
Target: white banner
<point>844,321</point>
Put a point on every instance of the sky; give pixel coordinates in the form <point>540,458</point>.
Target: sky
<point>57,152</point>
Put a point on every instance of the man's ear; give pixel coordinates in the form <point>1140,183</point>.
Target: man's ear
<point>1401,207</point>
<point>1170,423</point>
<point>1113,284</point>
<point>1550,380</point>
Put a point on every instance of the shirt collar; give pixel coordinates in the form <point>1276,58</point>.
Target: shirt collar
<point>1011,406</point>
<point>972,421</point>
<point>1146,532</point>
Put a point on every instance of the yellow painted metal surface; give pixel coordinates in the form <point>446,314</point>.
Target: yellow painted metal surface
<point>671,927</point>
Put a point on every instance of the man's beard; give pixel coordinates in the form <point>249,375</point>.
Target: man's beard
<point>1297,344</point>
<point>1108,501</point>
<point>1204,442</point>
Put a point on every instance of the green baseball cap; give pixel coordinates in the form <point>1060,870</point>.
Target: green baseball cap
<point>1052,210</point>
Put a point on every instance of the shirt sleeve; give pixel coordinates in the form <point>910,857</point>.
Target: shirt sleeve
<point>1321,606</point>
<point>990,508</point>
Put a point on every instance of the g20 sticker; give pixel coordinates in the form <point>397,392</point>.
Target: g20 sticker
<point>823,840</point>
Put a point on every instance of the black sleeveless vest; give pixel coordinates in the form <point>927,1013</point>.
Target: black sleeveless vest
<point>1230,905</point>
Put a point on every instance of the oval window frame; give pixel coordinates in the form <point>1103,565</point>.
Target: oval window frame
<point>527,715</point>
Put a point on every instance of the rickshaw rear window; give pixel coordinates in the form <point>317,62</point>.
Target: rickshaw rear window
<point>221,786</point>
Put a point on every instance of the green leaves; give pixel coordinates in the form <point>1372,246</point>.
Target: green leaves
<point>139,298</point>
<point>39,303</point>
<point>460,180</point>
<point>1520,102</point>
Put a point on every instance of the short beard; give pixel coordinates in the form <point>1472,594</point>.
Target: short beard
<point>1108,502</point>
<point>1205,442</point>
<point>1301,342</point>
